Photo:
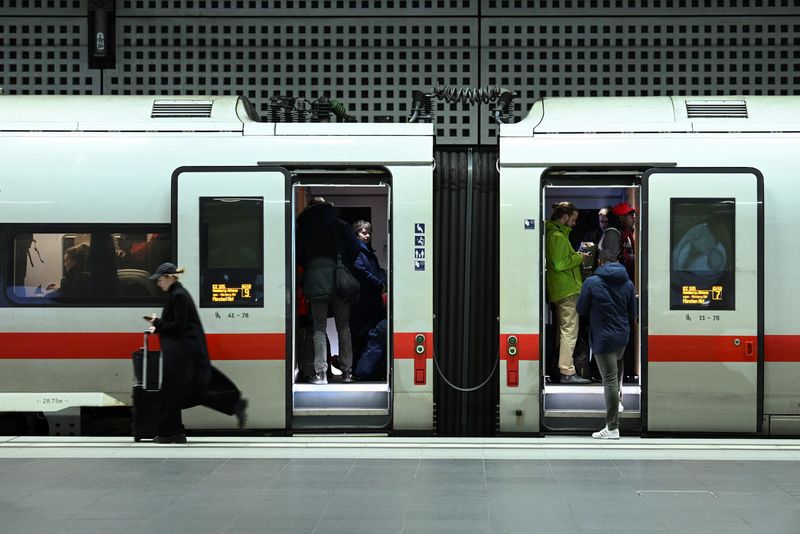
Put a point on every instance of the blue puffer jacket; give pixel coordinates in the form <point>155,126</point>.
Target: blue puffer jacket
<point>608,298</point>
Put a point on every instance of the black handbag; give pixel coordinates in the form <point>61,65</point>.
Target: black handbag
<point>346,284</point>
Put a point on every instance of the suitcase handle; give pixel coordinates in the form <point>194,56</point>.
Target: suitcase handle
<point>145,349</point>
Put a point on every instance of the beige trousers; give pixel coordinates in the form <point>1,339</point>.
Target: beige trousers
<point>568,333</point>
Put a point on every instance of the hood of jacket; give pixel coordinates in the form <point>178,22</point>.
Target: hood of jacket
<point>613,273</point>
<point>319,216</point>
<point>555,226</point>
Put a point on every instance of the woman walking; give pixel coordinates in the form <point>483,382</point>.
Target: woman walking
<point>189,379</point>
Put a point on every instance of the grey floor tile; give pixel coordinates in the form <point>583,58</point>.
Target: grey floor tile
<point>124,507</point>
<point>272,526</point>
<point>58,502</point>
<point>186,526</point>
<point>419,526</point>
<point>359,526</point>
<point>100,526</point>
<point>268,508</point>
<point>27,523</point>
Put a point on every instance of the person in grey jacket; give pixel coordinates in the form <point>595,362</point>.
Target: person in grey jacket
<point>321,238</point>
<point>609,299</point>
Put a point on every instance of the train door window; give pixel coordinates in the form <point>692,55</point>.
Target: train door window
<point>231,252</point>
<point>702,253</point>
<point>570,403</point>
<point>90,267</point>
<point>364,207</point>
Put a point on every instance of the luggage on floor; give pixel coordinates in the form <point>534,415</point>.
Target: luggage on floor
<point>304,350</point>
<point>372,363</point>
<point>148,371</point>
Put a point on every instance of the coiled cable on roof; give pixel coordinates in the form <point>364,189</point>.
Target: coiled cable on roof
<point>421,107</point>
<point>471,95</point>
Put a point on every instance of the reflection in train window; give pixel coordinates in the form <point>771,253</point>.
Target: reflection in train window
<point>231,252</point>
<point>88,266</point>
<point>702,260</point>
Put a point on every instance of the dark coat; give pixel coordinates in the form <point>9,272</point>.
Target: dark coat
<point>369,309</point>
<point>187,370</point>
<point>75,283</point>
<point>318,232</point>
<point>609,299</point>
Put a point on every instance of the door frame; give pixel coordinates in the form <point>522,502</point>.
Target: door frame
<point>335,177</point>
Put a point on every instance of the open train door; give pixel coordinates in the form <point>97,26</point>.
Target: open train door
<point>229,226</point>
<point>702,300</point>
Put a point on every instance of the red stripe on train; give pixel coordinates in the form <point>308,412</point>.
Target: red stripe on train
<point>781,348</point>
<point>777,348</point>
<point>702,349</point>
<point>102,345</point>
<point>97,345</point>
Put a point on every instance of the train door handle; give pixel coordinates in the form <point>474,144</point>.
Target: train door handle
<point>749,348</point>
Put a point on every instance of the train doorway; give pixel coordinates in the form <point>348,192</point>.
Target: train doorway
<point>577,404</point>
<point>336,403</point>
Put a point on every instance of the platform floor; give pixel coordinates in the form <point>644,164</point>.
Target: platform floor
<point>373,484</point>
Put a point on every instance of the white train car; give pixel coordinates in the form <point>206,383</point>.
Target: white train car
<point>201,181</point>
<point>717,341</point>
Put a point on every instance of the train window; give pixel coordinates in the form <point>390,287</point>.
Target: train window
<point>231,252</point>
<point>88,266</point>
<point>702,253</point>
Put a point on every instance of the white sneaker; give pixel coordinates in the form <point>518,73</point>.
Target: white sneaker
<point>606,434</point>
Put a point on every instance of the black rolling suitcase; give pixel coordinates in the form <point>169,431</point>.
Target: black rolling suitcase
<point>148,370</point>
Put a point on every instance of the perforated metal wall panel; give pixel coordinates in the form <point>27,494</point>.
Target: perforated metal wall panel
<point>637,8</point>
<point>640,57</point>
<point>371,66</point>
<point>374,53</point>
<point>42,8</point>
<point>45,55</point>
<point>298,8</point>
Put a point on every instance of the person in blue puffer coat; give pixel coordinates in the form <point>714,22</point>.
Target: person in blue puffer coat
<point>370,308</point>
<point>609,299</point>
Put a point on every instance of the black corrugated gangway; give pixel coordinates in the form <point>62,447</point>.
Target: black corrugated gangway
<point>466,290</point>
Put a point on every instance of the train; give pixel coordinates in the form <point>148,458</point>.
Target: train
<point>204,182</point>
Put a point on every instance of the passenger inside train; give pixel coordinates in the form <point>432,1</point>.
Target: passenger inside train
<point>364,209</point>
<point>96,264</point>
<point>76,279</point>
<point>364,400</point>
<point>604,223</point>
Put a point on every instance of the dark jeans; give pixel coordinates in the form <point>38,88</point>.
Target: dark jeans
<point>612,369</point>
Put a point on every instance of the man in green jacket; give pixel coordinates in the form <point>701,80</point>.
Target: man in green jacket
<point>563,277</point>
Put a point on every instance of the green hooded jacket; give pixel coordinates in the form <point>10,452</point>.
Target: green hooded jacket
<point>563,274</point>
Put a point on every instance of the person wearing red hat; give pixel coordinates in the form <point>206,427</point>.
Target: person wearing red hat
<point>624,219</point>
<point>627,217</point>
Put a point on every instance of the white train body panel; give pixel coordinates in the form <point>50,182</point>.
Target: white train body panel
<point>104,160</point>
<point>613,133</point>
